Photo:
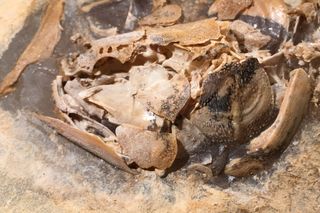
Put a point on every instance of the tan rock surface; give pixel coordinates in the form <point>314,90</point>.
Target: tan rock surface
<point>12,19</point>
<point>42,172</point>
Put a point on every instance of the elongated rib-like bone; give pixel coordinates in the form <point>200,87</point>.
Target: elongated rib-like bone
<point>291,112</point>
<point>87,141</point>
<point>41,46</point>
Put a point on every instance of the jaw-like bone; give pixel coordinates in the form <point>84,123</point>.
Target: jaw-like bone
<point>88,141</point>
<point>291,112</point>
<point>67,104</point>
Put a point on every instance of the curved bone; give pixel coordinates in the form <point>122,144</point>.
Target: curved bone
<point>122,107</point>
<point>244,166</point>
<point>235,102</point>
<point>291,112</point>
<point>68,104</point>
<point>87,141</point>
<point>202,169</point>
<point>40,47</point>
<point>256,101</point>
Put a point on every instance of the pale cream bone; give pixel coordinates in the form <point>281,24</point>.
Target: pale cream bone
<point>180,60</point>
<point>88,141</point>
<point>170,98</point>
<point>294,3</point>
<point>102,32</point>
<point>152,83</point>
<point>261,54</point>
<point>121,106</point>
<point>147,148</point>
<point>72,105</point>
<point>116,97</point>
<point>292,109</point>
<point>74,88</point>
<point>291,112</point>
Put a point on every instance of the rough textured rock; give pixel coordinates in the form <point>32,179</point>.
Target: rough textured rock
<point>42,172</point>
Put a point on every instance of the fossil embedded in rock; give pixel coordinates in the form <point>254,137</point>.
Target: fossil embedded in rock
<point>188,92</point>
<point>148,149</point>
<point>88,141</point>
<point>235,102</point>
<point>292,109</point>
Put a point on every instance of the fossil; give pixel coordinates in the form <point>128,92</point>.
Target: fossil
<point>164,16</point>
<point>41,46</point>
<point>155,96</point>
